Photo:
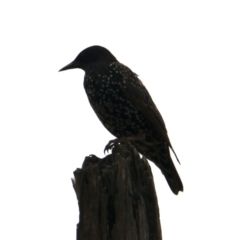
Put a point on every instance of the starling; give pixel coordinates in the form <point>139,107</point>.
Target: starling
<point>126,109</point>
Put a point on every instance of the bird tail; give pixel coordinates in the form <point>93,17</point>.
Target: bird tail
<point>168,169</point>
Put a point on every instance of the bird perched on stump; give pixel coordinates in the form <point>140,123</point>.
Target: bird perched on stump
<point>126,109</point>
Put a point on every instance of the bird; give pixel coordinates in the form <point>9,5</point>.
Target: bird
<point>124,106</point>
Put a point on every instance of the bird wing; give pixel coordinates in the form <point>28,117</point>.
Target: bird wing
<point>141,99</point>
<point>138,95</point>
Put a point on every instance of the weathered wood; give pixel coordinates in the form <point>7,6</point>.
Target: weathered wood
<point>117,198</point>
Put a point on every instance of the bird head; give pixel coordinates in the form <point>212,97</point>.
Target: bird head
<point>91,56</point>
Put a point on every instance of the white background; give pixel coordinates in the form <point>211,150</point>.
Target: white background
<point>186,53</point>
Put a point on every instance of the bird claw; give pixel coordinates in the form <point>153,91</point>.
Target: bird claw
<point>109,146</point>
<point>114,142</point>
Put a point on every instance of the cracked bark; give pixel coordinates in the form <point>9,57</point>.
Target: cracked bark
<point>116,197</point>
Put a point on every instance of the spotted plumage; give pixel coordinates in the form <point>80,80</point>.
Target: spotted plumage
<point>126,109</point>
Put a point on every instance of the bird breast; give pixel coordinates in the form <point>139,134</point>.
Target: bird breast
<point>115,111</point>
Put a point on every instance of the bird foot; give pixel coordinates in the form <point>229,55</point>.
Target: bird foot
<point>110,145</point>
<point>116,141</point>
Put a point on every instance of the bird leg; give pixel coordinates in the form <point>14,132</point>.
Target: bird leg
<point>114,142</point>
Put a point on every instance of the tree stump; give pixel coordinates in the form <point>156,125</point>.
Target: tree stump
<point>116,197</point>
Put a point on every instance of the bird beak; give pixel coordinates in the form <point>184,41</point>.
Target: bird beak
<point>70,66</point>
